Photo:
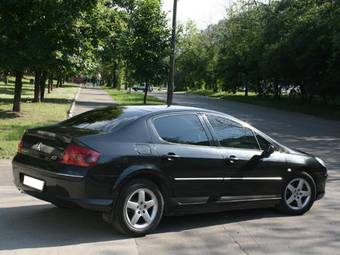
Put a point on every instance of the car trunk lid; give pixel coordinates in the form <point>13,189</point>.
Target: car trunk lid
<point>49,143</point>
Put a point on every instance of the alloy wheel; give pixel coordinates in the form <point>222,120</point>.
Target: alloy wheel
<point>297,194</point>
<point>141,208</point>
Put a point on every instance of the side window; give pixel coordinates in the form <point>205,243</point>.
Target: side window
<point>231,134</point>
<point>184,129</point>
<point>262,142</point>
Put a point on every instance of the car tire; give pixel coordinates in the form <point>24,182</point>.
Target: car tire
<point>298,194</point>
<point>139,208</point>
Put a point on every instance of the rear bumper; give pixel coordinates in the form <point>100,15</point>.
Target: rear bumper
<point>79,189</point>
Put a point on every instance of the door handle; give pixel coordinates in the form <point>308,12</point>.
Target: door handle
<point>170,156</point>
<point>232,159</point>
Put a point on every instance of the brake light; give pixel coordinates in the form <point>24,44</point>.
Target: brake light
<point>20,146</point>
<point>79,156</point>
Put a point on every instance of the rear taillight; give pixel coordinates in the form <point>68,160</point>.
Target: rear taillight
<point>79,156</point>
<point>20,146</point>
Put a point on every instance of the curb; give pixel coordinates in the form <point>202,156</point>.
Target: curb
<point>70,111</point>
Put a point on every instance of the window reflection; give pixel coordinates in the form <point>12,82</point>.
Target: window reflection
<point>232,134</point>
<point>104,119</point>
<point>184,129</point>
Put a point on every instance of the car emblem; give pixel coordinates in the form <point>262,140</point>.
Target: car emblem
<point>37,146</point>
<point>54,157</point>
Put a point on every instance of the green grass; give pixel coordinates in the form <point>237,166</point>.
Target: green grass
<point>13,125</point>
<point>317,107</point>
<point>131,98</point>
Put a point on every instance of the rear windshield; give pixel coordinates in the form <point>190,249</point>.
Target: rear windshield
<point>104,120</point>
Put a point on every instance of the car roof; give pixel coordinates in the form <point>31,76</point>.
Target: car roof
<point>146,110</point>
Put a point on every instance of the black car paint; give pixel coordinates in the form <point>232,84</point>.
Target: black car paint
<point>136,150</point>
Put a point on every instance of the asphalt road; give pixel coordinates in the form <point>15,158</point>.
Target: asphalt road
<point>29,226</point>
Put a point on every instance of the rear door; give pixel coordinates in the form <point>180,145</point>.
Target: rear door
<point>193,166</point>
<point>246,172</point>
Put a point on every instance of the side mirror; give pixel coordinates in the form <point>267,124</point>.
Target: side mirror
<point>268,151</point>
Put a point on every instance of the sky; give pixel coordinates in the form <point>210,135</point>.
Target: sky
<point>203,12</point>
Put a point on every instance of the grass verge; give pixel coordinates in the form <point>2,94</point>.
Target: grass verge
<point>13,125</point>
<point>131,98</point>
<point>316,108</point>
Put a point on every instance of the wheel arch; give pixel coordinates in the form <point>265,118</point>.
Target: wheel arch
<point>310,173</point>
<point>149,172</point>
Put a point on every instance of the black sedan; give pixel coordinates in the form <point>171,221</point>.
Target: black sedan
<point>137,163</point>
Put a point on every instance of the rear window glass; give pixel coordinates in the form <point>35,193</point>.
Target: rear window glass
<point>104,120</point>
<point>185,129</point>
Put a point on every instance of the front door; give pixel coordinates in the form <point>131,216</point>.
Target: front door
<point>247,172</point>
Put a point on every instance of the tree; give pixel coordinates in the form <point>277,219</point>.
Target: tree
<point>197,56</point>
<point>45,37</point>
<point>148,43</point>
<point>60,43</point>
<point>14,26</point>
<point>266,47</point>
<point>241,47</point>
<point>111,24</point>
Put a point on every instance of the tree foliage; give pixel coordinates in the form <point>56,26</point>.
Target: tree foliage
<point>267,47</point>
<point>57,39</point>
<point>147,43</point>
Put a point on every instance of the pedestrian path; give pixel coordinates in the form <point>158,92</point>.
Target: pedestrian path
<point>90,98</point>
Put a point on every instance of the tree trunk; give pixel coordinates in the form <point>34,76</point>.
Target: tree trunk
<point>43,86</point>
<point>303,91</point>
<point>109,81</point>
<point>37,79</point>
<point>49,85</point>
<point>17,91</point>
<point>215,88</point>
<point>277,91</point>
<point>246,89</point>
<point>5,78</point>
<point>146,92</point>
<point>114,79</point>
<point>59,82</point>
<point>260,91</point>
<point>51,79</point>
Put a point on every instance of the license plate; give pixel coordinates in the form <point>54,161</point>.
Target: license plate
<point>33,183</point>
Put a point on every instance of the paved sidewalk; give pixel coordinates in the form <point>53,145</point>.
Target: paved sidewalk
<point>5,172</point>
<point>90,98</point>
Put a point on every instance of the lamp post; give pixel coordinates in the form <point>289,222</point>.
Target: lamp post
<point>172,57</point>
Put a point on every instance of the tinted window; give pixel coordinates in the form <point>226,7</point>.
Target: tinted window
<point>105,119</point>
<point>185,129</point>
<point>263,142</point>
<point>231,134</point>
